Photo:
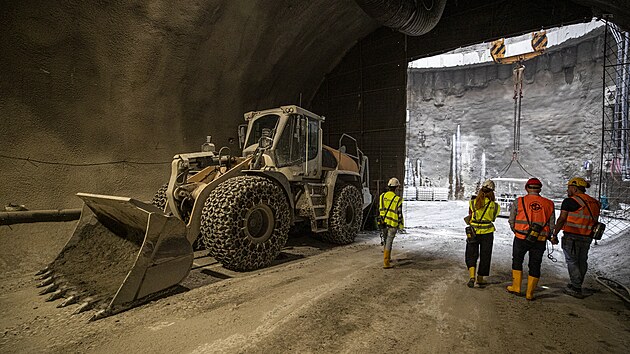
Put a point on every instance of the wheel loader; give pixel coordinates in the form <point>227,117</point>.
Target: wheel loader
<point>125,252</point>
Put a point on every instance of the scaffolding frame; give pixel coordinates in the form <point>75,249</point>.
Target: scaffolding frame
<point>614,175</point>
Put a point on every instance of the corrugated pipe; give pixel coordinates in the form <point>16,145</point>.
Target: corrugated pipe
<point>411,17</point>
<point>31,216</point>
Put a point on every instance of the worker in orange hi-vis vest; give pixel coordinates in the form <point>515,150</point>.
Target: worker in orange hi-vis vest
<point>532,218</point>
<point>578,214</point>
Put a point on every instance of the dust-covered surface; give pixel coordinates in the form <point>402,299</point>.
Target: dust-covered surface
<point>318,298</point>
<point>97,264</point>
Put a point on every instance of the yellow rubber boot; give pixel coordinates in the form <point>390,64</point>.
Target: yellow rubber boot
<point>481,281</point>
<point>532,282</point>
<point>471,281</point>
<point>517,276</point>
<point>386,259</point>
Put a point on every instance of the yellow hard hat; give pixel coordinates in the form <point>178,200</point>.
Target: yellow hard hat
<point>489,184</point>
<point>393,182</point>
<point>578,182</point>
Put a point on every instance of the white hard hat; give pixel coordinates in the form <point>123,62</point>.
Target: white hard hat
<point>488,184</point>
<point>393,182</point>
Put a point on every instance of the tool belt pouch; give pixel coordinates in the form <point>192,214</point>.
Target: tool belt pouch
<point>471,236</point>
<point>598,230</point>
<point>533,233</point>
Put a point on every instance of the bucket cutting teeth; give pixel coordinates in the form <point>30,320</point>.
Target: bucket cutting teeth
<point>49,289</point>
<point>42,271</point>
<point>45,275</point>
<point>147,252</point>
<point>100,314</point>
<point>56,295</point>
<point>69,301</point>
<point>88,304</point>
<point>46,282</point>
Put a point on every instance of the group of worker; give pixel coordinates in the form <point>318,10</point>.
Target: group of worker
<point>533,221</point>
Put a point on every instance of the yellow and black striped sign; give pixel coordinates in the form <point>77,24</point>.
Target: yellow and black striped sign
<point>497,50</point>
<point>539,41</point>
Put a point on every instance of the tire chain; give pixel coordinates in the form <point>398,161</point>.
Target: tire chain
<point>223,217</point>
<point>340,232</point>
<point>159,199</point>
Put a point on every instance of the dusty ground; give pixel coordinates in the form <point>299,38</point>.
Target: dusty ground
<point>323,299</point>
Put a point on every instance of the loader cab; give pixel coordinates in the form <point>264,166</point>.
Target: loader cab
<point>294,139</point>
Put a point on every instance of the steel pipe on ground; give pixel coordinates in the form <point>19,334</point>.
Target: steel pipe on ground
<point>32,216</point>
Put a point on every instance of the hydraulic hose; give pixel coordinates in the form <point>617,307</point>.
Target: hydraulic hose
<point>411,17</point>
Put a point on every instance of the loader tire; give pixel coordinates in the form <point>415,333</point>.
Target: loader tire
<point>245,222</point>
<point>159,199</point>
<point>345,216</point>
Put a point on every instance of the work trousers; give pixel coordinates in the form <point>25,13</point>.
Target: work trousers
<point>480,248</point>
<point>388,236</point>
<point>536,251</point>
<point>576,255</point>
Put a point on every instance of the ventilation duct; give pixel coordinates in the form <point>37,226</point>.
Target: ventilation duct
<point>411,17</point>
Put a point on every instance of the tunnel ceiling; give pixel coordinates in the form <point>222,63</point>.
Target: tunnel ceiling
<point>143,80</point>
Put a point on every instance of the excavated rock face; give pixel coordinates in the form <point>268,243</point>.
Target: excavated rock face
<point>560,118</point>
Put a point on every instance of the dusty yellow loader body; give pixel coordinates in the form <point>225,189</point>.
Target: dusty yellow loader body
<point>124,252</point>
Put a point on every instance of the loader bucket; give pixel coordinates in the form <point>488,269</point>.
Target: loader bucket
<point>122,253</point>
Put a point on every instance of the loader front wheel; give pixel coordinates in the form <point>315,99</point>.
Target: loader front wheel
<point>345,217</point>
<point>245,222</point>
<point>159,199</point>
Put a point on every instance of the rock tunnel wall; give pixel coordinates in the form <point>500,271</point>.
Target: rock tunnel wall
<point>99,96</point>
<point>560,119</point>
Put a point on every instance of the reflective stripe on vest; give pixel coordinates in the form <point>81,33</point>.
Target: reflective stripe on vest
<point>390,216</point>
<point>539,211</point>
<point>580,221</point>
<point>483,225</point>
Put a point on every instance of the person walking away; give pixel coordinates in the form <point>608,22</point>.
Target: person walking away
<point>532,219</point>
<point>390,211</point>
<point>483,211</point>
<point>578,213</point>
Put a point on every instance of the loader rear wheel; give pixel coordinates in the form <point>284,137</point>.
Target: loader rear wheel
<point>245,222</point>
<point>345,217</point>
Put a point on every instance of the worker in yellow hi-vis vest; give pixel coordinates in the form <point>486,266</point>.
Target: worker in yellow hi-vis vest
<point>390,218</point>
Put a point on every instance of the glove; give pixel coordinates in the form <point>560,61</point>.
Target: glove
<point>554,240</point>
<point>402,231</point>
